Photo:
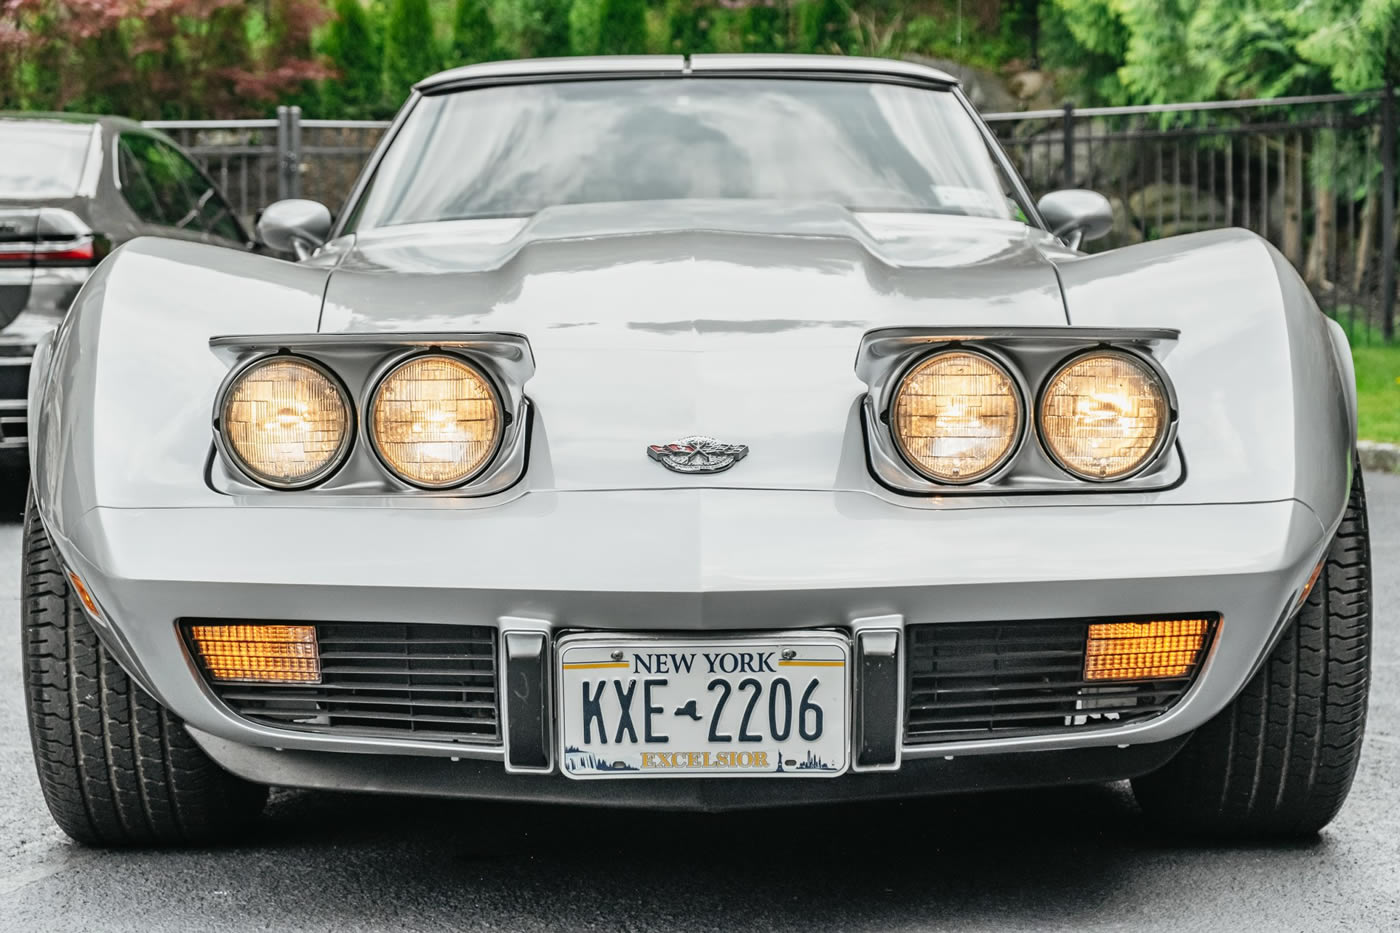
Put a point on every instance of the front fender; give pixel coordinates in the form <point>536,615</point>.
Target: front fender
<point>1265,402</point>
<point>124,400</point>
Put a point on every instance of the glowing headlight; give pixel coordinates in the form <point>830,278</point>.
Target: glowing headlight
<point>957,417</point>
<point>1104,415</point>
<point>286,422</point>
<point>435,421</point>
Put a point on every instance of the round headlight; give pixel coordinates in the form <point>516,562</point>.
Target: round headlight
<point>286,422</point>
<point>1104,415</point>
<point>957,417</point>
<point>435,421</point>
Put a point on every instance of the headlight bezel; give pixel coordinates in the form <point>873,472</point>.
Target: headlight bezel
<point>1032,353</point>
<point>358,359</point>
<point>1033,357</point>
<point>1020,393</point>
<point>1165,438</point>
<point>393,364</point>
<point>229,451</point>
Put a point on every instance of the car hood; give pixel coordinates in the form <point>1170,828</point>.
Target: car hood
<point>650,323</point>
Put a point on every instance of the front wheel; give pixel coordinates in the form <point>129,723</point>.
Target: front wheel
<point>1279,760</point>
<point>116,767</point>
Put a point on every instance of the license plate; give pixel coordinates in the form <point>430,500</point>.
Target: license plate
<point>763,706</point>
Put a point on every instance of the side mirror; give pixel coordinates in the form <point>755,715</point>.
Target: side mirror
<point>1077,216</point>
<point>295,226</point>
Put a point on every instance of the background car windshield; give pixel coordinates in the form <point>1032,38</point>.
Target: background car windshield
<point>42,160</point>
<point>512,151</point>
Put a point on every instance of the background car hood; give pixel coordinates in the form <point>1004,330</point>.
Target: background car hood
<point>652,323</point>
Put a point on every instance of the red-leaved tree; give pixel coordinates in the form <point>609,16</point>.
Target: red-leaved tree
<point>156,58</point>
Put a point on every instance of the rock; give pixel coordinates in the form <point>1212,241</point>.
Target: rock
<point>1047,98</point>
<point>1165,209</point>
<point>985,89</point>
<point>1037,147</point>
<point>1377,456</point>
<point>1027,84</point>
<point>1126,232</point>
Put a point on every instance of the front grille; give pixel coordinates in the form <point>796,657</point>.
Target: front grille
<point>969,680</point>
<point>419,681</point>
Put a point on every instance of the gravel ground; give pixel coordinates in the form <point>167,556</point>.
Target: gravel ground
<point>1077,859</point>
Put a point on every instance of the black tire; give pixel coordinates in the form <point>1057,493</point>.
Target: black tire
<point>1279,760</point>
<point>116,768</point>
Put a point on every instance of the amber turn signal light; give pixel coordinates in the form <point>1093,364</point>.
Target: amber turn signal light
<point>1312,581</point>
<point>259,653</point>
<point>88,602</point>
<point>1144,650</point>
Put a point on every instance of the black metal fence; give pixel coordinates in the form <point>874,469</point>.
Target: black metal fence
<point>257,162</point>
<point>1314,175</point>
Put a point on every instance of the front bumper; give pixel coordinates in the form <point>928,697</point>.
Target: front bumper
<point>446,777</point>
<point>681,561</point>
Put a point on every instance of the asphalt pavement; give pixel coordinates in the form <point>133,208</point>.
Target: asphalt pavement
<point>1070,859</point>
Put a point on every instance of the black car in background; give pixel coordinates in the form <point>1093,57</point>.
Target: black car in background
<point>72,188</point>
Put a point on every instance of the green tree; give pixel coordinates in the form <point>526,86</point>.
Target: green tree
<point>1089,38</point>
<point>105,93</point>
<point>532,28</point>
<point>1250,53</point>
<point>585,27</point>
<point>765,27</point>
<point>357,90</point>
<point>1357,41</point>
<point>285,36</point>
<point>824,26</point>
<point>1188,50</point>
<point>410,49</point>
<point>623,27</point>
<point>1151,51</point>
<point>473,33</point>
<point>1157,51</point>
<point>378,11</point>
<point>690,25</point>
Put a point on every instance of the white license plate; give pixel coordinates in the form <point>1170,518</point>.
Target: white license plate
<point>769,705</point>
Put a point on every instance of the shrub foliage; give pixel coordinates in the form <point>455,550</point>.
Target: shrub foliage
<point>358,58</point>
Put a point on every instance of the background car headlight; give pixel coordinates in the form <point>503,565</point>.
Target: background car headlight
<point>957,416</point>
<point>435,421</point>
<point>286,422</point>
<point>1104,415</point>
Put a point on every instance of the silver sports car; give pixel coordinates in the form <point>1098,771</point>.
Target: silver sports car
<point>694,432</point>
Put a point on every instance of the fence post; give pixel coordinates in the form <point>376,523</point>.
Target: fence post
<point>294,170</point>
<point>1067,134</point>
<point>288,152</point>
<point>283,144</point>
<point>1388,259</point>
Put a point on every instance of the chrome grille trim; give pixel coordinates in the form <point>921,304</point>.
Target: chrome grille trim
<point>417,681</point>
<point>972,680</point>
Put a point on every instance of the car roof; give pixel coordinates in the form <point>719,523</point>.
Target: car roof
<point>90,119</point>
<point>677,65</point>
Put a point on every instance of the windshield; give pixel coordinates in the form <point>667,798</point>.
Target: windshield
<point>514,150</point>
<point>42,160</point>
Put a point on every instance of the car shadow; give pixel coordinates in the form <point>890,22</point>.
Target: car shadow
<point>1005,854</point>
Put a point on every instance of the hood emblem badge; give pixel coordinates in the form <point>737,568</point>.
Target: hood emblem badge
<point>697,454</point>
